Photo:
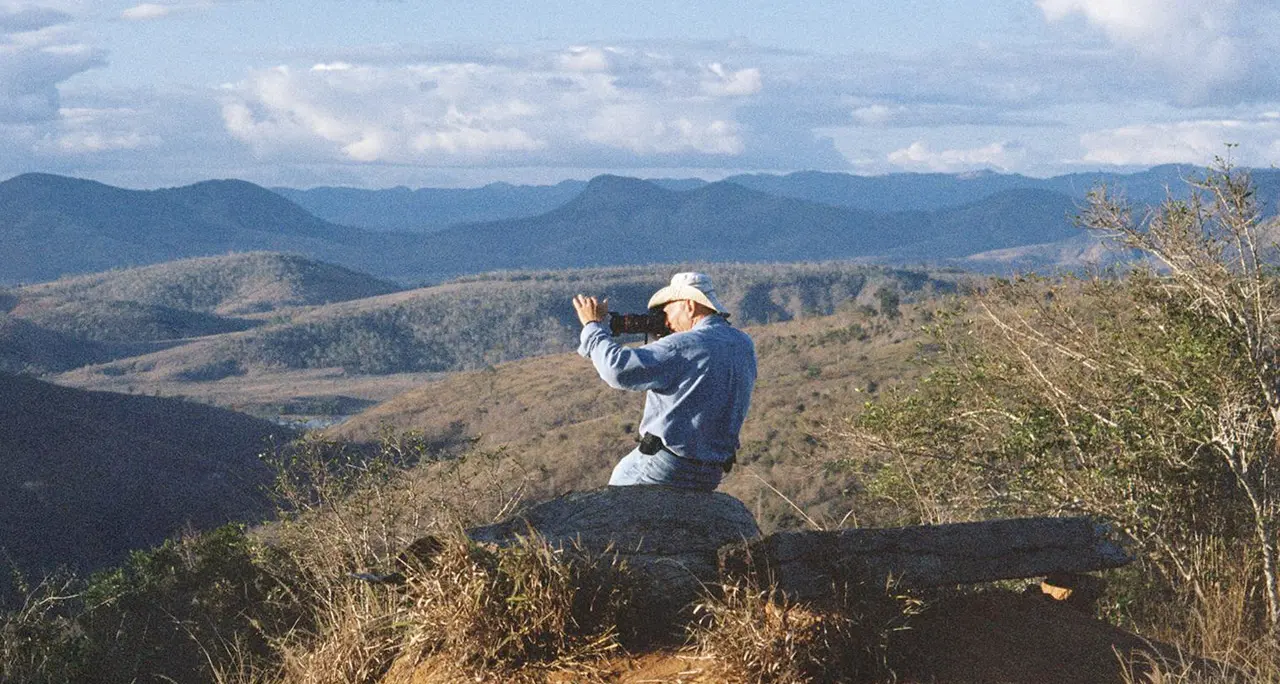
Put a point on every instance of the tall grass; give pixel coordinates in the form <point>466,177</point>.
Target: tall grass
<point>758,635</point>
<point>1219,623</point>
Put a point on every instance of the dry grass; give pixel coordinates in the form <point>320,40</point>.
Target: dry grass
<point>34,637</point>
<point>1219,624</point>
<point>357,633</point>
<point>759,636</point>
<point>519,612</point>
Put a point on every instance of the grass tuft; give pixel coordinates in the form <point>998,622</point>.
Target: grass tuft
<point>760,636</point>
<point>520,611</point>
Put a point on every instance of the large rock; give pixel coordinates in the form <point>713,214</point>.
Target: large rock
<point>807,565</point>
<point>669,537</point>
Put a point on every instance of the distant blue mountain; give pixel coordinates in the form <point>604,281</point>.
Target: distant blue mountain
<point>52,226</point>
<point>928,191</point>
<point>432,210</point>
<point>888,193</point>
<point>627,221</point>
<point>427,210</point>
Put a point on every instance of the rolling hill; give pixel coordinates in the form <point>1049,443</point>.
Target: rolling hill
<point>477,322</point>
<point>235,284</point>
<point>26,347</point>
<point>56,326</point>
<point>89,476</point>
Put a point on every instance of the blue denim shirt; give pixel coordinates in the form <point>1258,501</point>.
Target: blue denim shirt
<point>699,383</point>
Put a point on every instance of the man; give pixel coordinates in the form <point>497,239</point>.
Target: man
<point>698,379</point>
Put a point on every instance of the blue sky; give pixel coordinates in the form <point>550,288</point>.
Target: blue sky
<point>376,93</point>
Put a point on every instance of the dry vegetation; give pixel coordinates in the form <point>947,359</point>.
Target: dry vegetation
<point>571,428</point>
<point>1148,399</point>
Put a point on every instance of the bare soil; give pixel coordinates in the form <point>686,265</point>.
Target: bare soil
<point>992,637</point>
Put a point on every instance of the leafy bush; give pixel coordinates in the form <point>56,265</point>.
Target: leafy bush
<point>181,612</point>
<point>1151,400</point>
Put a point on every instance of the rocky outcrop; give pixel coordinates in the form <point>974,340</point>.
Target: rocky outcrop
<point>676,543</point>
<point>667,537</point>
<point>807,564</point>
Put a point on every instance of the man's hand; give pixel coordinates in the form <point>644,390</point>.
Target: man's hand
<point>591,310</point>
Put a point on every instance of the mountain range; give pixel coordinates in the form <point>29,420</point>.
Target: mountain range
<point>53,226</point>
<point>430,209</point>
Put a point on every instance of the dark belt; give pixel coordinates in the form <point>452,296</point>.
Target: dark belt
<point>651,444</point>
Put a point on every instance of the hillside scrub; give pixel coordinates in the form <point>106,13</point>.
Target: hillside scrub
<point>280,604</point>
<point>467,324</point>
<point>757,635</point>
<point>234,284</point>
<point>1150,400</point>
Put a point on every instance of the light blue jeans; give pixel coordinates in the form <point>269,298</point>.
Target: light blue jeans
<point>664,468</point>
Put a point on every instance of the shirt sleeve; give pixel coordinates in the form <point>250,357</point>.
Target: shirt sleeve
<point>654,366</point>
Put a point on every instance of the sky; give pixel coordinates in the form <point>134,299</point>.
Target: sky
<point>459,93</point>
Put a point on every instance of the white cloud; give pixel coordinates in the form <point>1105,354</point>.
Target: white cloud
<point>646,130</point>
<point>84,130</point>
<point>333,66</point>
<point>1191,142</point>
<point>877,114</point>
<point>464,139</point>
<point>370,114</point>
<point>918,156</point>
<point>1208,49</point>
<point>147,11</point>
<point>731,83</point>
<point>548,108</point>
<point>19,19</point>
<point>584,59</point>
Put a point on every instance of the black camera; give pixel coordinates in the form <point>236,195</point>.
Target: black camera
<point>650,324</point>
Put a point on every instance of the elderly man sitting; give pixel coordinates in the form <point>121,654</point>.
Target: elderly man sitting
<point>698,379</point>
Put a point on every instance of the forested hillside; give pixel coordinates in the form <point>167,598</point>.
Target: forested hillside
<point>64,324</point>
<point>481,321</point>
<point>87,477</point>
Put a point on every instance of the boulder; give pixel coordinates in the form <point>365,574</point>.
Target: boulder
<point>678,543</point>
<point>668,537</point>
<point>808,565</point>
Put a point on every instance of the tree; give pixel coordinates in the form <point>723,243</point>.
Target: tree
<point>1152,400</point>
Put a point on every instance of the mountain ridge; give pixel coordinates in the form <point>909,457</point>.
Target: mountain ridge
<point>58,226</point>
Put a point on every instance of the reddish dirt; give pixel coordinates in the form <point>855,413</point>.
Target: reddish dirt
<point>992,637</point>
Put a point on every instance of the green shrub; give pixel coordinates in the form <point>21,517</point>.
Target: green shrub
<point>181,612</point>
<point>1151,400</point>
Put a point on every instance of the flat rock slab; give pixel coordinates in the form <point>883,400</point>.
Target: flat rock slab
<point>669,537</point>
<point>641,524</point>
<point>809,565</point>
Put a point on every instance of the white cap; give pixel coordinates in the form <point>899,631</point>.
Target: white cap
<point>693,286</point>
